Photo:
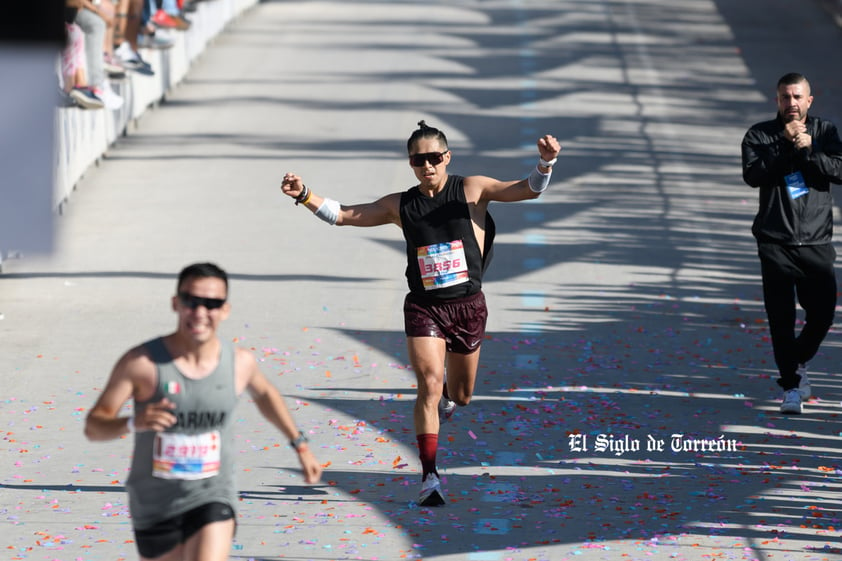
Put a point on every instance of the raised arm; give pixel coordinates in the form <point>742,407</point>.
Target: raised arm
<point>385,210</point>
<point>484,188</point>
<point>271,405</point>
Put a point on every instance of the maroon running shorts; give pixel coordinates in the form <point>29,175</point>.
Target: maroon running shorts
<point>460,321</point>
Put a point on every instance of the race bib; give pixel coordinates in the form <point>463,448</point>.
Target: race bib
<point>795,185</point>
<point>442,265</point>
<point>186,456</point>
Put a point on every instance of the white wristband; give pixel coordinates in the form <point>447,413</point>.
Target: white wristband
<point>130,424</point>
<point>329,211</point>
<point>545,163</point>
<point>539,181</point>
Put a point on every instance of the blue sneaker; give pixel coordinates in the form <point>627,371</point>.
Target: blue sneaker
<point>86,98</point>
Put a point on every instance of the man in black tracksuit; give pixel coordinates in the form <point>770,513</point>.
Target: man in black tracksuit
<point>793,159</point>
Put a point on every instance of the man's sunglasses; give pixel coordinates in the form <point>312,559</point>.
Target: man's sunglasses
<point>189,301</point>
<point>435,158</point>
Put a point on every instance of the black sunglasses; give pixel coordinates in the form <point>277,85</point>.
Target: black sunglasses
<point>189,301</point>
<point>435,158</point>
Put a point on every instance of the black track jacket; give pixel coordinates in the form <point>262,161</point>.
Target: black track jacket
<point>768,158</point>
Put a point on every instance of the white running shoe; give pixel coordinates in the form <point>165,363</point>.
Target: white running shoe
<point>791,403</point>
<point>108,96</point>
<point>446,409</point>
<point>431,493</point>
<point>804,384</point>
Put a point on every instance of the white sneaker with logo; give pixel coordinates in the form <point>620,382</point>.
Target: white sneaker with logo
<point>431,493</point>
<point>108,96</point>
<point>446,409</point>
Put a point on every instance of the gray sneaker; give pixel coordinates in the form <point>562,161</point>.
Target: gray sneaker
<point>791,404</point>
<point>431,493</point>
<point>804,384</point>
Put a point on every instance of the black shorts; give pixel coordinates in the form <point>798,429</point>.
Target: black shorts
<point>460,322</point>
<point>166,535</point>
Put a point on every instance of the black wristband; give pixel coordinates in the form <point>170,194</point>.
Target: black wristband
<point>298,441</point>
<point>302,195</point>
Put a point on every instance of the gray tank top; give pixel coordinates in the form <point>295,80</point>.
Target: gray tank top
<point>191,463</point>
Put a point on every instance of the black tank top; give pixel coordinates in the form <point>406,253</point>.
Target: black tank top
<point>443,256</point>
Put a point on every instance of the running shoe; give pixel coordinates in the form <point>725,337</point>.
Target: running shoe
<point>446,409</point>
<point>431,493</point>
<point>791,404</point>
<point>86,98</point>
<point>109,97</point>
<point>169,21</point>
<point>131,59</point>
<point>113,67</point>
<point>804,384</point>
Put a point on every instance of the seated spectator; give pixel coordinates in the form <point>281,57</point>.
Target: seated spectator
<point>111,64</point>
<point>92,20</point>
<point>73,80</point>
<point>126,31</point>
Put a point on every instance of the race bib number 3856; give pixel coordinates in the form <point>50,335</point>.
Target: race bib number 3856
<point>186,456</point>
<point>442,264</point>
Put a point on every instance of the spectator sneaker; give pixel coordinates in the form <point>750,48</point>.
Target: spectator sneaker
<point>109,97</point>
<point>166,21</point>
<point>791,404</point>
<point>446,409</point>
<point>113,67</point>
<point>86,99</point>
<point>431,494</point>
<point>131,60</point>
<point>804,384</point>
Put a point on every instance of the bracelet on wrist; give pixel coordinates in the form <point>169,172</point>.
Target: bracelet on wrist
<point>304,196</point>
<point>298,441</point>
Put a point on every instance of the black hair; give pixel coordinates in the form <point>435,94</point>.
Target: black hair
<point>425,131</point>
<point>791,79</point>
<point>202,271</point>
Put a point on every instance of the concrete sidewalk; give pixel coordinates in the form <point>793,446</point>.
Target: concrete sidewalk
<point>625,303</point>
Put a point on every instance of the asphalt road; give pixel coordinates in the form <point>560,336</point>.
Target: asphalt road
<point>626,407</point>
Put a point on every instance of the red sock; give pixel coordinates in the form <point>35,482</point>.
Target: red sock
<point>427,446</point>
